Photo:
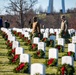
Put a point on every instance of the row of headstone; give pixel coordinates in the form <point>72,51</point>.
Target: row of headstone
<point>10,36</point>
<point>36,40</point>
<point>60,42</point>
<point>15,44</point>
<point>24,31</point>
<point>53,53</point>
<point>46,30</point>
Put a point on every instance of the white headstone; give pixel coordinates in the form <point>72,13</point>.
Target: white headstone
<point>26,34</point>
<point>57,35</point>
<point>41,45</point>
<point>9,36</point>
<point>45,35</point>
<point>56,30</point>
<point>19,30</point>
<point>25,58</point>
<point>61,41</point>
<point>69,30</point>
<point>19,50</point>
<point>28,29</point>
<point>74,39</point>
<point>15,44</point>
<point>72,47</point>
<point>37,68</point>
<point>53,53</point>
<point>12,38</point>
<point>47,30</point>
<point>14,29</point>
<point>36,40</point>
<point>42,30</point>
<point>9,33</point>
<point>67,60</point>
<point>51,30</point>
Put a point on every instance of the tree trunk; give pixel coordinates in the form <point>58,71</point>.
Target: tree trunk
<point>22,20</point>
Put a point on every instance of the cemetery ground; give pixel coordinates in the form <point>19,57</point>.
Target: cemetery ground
<point>7,69</point>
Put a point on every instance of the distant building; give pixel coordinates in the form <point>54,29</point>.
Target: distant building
<point>50,6</point>
<point>63,6</point>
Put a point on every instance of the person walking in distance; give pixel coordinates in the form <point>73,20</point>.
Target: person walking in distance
<point>64,29</point>
<point>1,22</point>
<point>35,27</point>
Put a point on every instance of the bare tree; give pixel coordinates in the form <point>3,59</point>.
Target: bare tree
<point>20,8</point>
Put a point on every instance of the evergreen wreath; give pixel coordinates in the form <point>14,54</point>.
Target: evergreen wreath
<point>39,54</point>
<point>59,47</point>
<point>65,69</point>
<point>51,62</point>
<point>22,68</point>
